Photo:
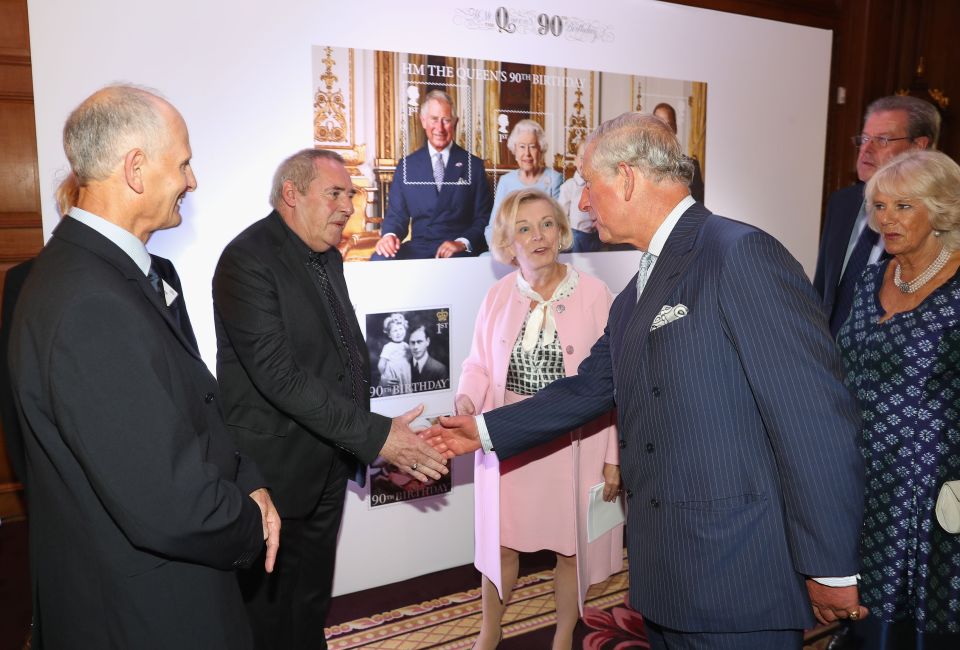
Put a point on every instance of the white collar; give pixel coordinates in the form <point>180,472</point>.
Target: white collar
<point>663,232</point>
<point>124,239</point>
<point>445,151</point>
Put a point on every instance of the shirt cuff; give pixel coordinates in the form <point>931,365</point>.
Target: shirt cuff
<point>465,242</point>
<point>484,435</point>
<point>846,581</point>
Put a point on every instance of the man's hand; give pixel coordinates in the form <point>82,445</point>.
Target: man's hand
<point>454,436</point>
<point>388,245</point>
<point>411,454</point>
<point>450,248</point>
<point>464,405</point>
<point>833,603</point>
<point>271,525</point>
<point>611,482</point>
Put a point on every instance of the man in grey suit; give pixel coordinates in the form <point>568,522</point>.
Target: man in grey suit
<point>737,436</point>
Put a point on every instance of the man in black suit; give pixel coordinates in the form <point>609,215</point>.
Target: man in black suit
<point>139,506</point>
<point>891,126</point>
<point>426,371</point>
<point>12,284</point>
<point>439,194</point>
<point>294,371</point>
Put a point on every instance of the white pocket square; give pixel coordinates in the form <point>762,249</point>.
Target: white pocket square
<point>669,314</point>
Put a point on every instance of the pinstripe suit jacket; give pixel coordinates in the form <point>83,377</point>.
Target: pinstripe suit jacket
<point>737,435</point>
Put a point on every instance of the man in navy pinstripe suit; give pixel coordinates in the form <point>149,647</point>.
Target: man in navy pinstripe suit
<point>743,481</point>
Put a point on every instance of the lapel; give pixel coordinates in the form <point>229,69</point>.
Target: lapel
<point>74,232</point>
<point>673,261</point>
<point>178,308</point>
<point>849,213</point>
<point>294,259</point>
<point>339,282</point>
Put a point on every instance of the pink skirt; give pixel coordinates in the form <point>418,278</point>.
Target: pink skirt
<point>538,497</point>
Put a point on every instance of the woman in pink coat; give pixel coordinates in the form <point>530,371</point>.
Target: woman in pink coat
<point>536,325</point>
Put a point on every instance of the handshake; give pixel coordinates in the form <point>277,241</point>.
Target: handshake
<point>423,454</point>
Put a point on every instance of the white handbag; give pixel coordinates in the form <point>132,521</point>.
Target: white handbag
<point>948,507</point>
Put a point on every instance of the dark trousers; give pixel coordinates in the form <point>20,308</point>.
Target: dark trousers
<point>662,638</point>
<point>288,608</point>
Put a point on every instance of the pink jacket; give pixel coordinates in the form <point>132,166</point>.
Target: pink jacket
<point>580,320</point>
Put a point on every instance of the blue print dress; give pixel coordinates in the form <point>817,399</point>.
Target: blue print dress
<point>905,373</point>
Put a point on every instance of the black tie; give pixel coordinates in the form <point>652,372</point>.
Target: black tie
<point>858,261</point>
<point>318,264</point>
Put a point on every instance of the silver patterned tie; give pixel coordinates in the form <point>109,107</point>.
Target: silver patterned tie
<point>646,261</point>
<point>438,170</point>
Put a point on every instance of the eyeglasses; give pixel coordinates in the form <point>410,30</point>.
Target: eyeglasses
<point>880,140</point>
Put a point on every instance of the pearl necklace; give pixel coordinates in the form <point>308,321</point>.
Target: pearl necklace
<point>923,278</point>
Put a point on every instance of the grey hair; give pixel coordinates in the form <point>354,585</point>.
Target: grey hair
<point>527,126</point>
<point>928,176</point>
<point>300,169</point>
<point>108,124</point>
<point>642,141</point>
<point>505,222</point>
<point>923,118</point>
<point>438,96</point>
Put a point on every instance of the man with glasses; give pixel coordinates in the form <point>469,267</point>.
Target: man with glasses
<point>891,126</point>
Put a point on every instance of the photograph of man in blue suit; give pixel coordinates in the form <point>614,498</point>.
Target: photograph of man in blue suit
<point>743,482</point>
<point>439,194</point>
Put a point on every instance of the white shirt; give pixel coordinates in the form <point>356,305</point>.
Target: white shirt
<point>125,241</point>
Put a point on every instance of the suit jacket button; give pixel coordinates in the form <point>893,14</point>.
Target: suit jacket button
<point>569,349</point>
<point>656,391</point>
<point>340,377</point>
<point>629,494</point>
<point>623,443</point>
<point>650,447</point>
<point>208,398</point>
<point>654,503</point>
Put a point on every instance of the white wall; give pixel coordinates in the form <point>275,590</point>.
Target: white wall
<point>240,72</point>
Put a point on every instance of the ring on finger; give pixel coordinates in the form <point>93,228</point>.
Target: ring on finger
<point>414,467</point>
<point>854,614</point>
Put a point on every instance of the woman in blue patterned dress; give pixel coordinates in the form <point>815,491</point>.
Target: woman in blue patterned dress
<point>901,351</point>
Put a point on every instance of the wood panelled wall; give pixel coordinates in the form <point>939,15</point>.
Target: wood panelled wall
<point>21,235</point>
<point>877,47</point>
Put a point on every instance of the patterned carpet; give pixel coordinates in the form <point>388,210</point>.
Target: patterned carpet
<point>451,622</point>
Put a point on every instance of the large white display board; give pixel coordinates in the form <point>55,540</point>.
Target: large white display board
<point>240,72</point>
